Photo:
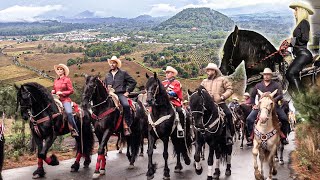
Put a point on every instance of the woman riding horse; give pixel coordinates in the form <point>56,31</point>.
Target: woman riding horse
<point>299,42</point>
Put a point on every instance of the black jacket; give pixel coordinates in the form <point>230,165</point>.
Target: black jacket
<point>121,82</point>
<point>301,35</point>
<point>270,88</point>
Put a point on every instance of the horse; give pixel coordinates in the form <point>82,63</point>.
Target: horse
<point>47,122</point>
<point>266,135</point>
<point>242,112</point>
<point>163,125</point>
<point>258,53</point>
<point>107,120</point>
<point>209,124</point>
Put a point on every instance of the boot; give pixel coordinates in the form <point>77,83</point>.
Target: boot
<point>126,129</point>
<point>228,137</point>
<point>297,85</point>
<point>73,131</point>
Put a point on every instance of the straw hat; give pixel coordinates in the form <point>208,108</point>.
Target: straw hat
<point>117,60</point>
<point>171,69</point>
<point>267,71</point>
<point>246,94</point>
<point>214,67</point>
<point>302,5</point>
<point>64,67</point>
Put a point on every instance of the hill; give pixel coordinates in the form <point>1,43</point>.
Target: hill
<point>198,19</point>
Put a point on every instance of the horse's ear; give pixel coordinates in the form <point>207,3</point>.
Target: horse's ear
<point>274,92</point>
<point>259,92</point>
<point>236,29</point>
<point>155,75</point>
<point>16,86</point>
<point>147,76</point>
<point>85,75</point>
<point>199,91</point>
<point>235,33</point>
<point>189,92</point>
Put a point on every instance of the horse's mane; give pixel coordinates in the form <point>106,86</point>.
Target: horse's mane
<point>275,119</point>
<point>41,90</point>
<point>206,96</point>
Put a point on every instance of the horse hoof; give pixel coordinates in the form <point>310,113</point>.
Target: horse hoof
<point>102,171</point>
<point>281,162</point>
<point>199,171</point>
<point>241,147</point>
<point>120,151</point>
<point>216,173</point>
<point>177,170</point>
<point>86,163</point>
<point>36,176</point>
<point>228,172</point>
<point>209,177</point>
<point>75,167</point>
<point>150,177</point>
<point>187,161</point>
<point>95,175</point>
<point>166,177</point>
<point>274,172</point>
<point>39,173</point>
<point>276,159</point>
<point>131,166</point>
<point>141,154</point>
<point>54,160</point>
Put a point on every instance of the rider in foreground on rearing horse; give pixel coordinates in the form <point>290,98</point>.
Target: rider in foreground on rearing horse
<point>62,87</point>
<point>174,91</point>
<point>123,84</point>
<point>220,89</point>
<point>268,85</point>
<point>299,42</point>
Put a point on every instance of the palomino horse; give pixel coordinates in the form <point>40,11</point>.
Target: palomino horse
<point>163,121</point>
<point>107,120</point>
<point>47,122</point>
<point>209,128</point>
<point>266,135</point>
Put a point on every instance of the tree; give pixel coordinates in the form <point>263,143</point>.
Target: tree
<point>7,100</point>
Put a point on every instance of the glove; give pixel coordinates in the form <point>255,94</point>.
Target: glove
<point>172,93</point>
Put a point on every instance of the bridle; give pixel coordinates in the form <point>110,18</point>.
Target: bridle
<point>268,109</point>
<point>154,94</point>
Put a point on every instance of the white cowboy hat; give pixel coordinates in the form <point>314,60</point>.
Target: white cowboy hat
<point>117,60</point>
<point>302,5</point>
<point>235,98</point>
<point>185,101</point>
<point>214,67</point>
<point>171,69</point>
<point>64,67</point>
<point>267,71</point>
<point>246,94</point>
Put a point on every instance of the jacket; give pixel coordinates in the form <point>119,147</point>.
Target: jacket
<point>217,87</point>
<point>121,82</point>
<point>301,35</point>
<point>64,85</point>
<point>175,86</point>
<point>270,88</point>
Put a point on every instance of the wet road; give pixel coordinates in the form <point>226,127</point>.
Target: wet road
<point>116,168</point>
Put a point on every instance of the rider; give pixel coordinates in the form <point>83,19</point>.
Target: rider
<point>220,89</point>
<point>268,85</point>
<point>123,84</point>
<point>234,103</point>
<point>246,98</point>
<point>174,91</point>
<point>62,87</point>
<point>299,43</point>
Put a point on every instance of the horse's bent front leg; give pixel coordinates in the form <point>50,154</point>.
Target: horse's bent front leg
<point>151,166</point>
<point>52,160</point>
<point>39,172</point>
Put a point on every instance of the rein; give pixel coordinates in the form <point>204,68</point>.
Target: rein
<point>234,43</point>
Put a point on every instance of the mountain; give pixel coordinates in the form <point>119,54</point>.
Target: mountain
<point>258,8</point>
<point>198,19</point>
<point>85,14</point>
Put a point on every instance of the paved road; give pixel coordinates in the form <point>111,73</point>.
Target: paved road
<point>242,167</point>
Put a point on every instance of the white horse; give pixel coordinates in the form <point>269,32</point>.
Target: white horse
<point>266,135</point>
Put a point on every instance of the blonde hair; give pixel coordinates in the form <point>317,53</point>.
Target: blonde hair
<point>302,14</point>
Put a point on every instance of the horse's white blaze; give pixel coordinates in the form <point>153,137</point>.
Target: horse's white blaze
<point>210,172</point>
<point>198,165</point>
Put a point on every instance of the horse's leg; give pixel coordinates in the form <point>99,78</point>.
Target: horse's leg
<point>129,144</point>
<point>151,166</point>
<point>243,135</point>
<point>229,152</point>
<point>166,171</point>
<point>198,148</point>
<point>281,154</point>
<point>217,172</point>
<point>39,172</point>
<point>52,160</point>
<point>262,158</point>
<point>272,167</point>
<point>101,160</point>
<point>141,145</point>
<point>178,167</point>
<point>210,174</point>
<point>202,151</point>
<point>76,165</point>
<point>255,152</point>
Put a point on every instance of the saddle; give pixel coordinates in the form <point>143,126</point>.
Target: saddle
<point>75,106</point>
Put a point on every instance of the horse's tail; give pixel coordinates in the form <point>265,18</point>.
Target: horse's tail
<point>86,138</point>
<point>1,155</point>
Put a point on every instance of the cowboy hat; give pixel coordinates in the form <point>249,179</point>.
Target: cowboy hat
<point>235,98</point>
<point>302,5</point>
<point>214,67</point>
<point>64,67</point>
<point>171,69</point>
<point>185,101</point>
<point>246,94</point>
<point>267,71</point>
<point>117,60</point>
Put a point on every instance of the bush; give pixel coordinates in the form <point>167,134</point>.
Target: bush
<point>71,62</point>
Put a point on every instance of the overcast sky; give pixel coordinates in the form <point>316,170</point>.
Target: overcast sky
<point>28,9</point>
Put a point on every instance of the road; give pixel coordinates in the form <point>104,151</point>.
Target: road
<point>116,168</point>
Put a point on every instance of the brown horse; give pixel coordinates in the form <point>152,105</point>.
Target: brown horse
<point>266,135</point>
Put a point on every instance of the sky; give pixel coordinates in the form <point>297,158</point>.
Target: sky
<point>29,10</point>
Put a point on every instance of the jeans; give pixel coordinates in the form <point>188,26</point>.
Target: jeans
<point>126,108</point>
<point>285,127</point>
<point>68,110</point>
<point>228,114</point>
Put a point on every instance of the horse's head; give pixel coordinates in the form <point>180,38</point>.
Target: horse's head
<point>153,86</point>
<point>24,100</point>
<point>266,105</point>
<point>94,88</point>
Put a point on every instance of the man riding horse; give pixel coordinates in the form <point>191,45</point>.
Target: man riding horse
<point>268,85</point>
<point>220,89</point>
<point>123,84</point>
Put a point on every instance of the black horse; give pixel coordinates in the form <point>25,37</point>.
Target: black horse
<point>162,125</point>
<point>108,120</point>
<point>210,129</point>
<point>242,112</point>
<point>47,122</point>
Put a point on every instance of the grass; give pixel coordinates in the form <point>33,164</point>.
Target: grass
<point>12,71</point>
<point>44,82</point>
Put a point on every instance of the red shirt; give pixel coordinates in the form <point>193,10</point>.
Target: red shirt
<point>65,86</point>
<point>176,87</point>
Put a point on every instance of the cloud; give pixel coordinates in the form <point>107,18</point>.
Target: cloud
<point>26,13</point>
<point>162,10</point>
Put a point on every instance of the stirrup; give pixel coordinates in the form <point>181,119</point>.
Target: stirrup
<point>180,133</point>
